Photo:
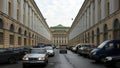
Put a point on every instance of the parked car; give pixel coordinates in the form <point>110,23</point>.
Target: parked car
<point>40,45</point>
<point>19,51</point>
<point>107,48</point>
<point>63,49</point>
<point>69,47</point>
<point>85,49</point>
<point>8,55</point>
<point>112,61</point>
<point>36,56</point>
<point>50,50</point>
<point>75,48</point>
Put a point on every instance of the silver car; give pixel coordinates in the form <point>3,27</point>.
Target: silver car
<point>50,50</point>
<point>36,56</point>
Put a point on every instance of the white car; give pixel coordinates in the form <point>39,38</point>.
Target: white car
<point>50,50</point>
<point>36,56</point>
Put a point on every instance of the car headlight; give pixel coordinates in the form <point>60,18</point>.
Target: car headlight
<point>42,58</point>
<point>109,58</point>
<point>25,58</point>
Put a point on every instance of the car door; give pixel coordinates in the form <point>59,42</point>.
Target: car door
<point>110,49</point>
<point>4,56</point>
<point>1,56</point>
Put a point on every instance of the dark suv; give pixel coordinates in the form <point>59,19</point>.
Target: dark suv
<point>63,49</point>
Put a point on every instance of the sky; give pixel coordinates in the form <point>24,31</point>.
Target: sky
<point>59,11</point>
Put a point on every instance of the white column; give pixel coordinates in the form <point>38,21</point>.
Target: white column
<point>14,10</point>
<point>26,14</point>
<point>21,11</point>
<point>114,5</point>
<point>5,6</point>
<point>96,11</point>
<point>91,14</point>
<point>88,21</point>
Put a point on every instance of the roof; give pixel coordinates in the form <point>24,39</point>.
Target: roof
<point>59,25</point>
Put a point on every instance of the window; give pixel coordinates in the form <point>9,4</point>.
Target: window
<point>92,36</point>
<point>116,26</point>
<point>107,9</point>
<point>18,14</point>
<point>11,39</point>
<point>19,40</point>
<point>1,24</point>
<point>12,28</point>
<point>18,9</point>
<point>1,38</point>
<point>9,8</point>
<point>98,36</point>
<point>109,46</point>
<point>19,31</point>
<point>25,42</point>
<point>99,10</point>
<point>105,32</point>
<point>25,33</point>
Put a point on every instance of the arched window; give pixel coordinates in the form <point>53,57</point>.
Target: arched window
<point>1,24</point>
<point>98,36</point>
<point>19,31</point>
<point>33,36</point>
<point>116,27</point>
<point>12,28</point>
<point>105,32</point>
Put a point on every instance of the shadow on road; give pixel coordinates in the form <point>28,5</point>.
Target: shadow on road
<point>36,66</point>
<point>6,64</point>
<point>94,62</point>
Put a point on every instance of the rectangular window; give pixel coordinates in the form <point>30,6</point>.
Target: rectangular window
<point>9,9</point>
<point>11,39</point>
<point>19,40</point>
<point>1,38</point>
<point>108,8</point>
<point>18,14</point>
<point>25,42</point>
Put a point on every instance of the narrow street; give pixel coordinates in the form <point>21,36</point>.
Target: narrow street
<point>69,60</point>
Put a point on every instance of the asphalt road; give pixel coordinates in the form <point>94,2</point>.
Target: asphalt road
<point>69,60</point>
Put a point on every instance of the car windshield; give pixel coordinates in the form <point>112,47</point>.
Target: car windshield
<point>102,44</point>
<point>2,50</point>
<point>49,48</point>
<point>62,47</point>
<point>38,51</point>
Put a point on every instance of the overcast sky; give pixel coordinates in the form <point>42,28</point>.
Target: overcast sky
<point>59,11</point>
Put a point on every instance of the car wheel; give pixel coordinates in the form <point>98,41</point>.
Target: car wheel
<point>12,60</point>
<point>102,60</point>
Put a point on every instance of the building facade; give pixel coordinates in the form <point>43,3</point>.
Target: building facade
<point>22,24</point>
<point>97,21</point>
<point>59,35</point>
